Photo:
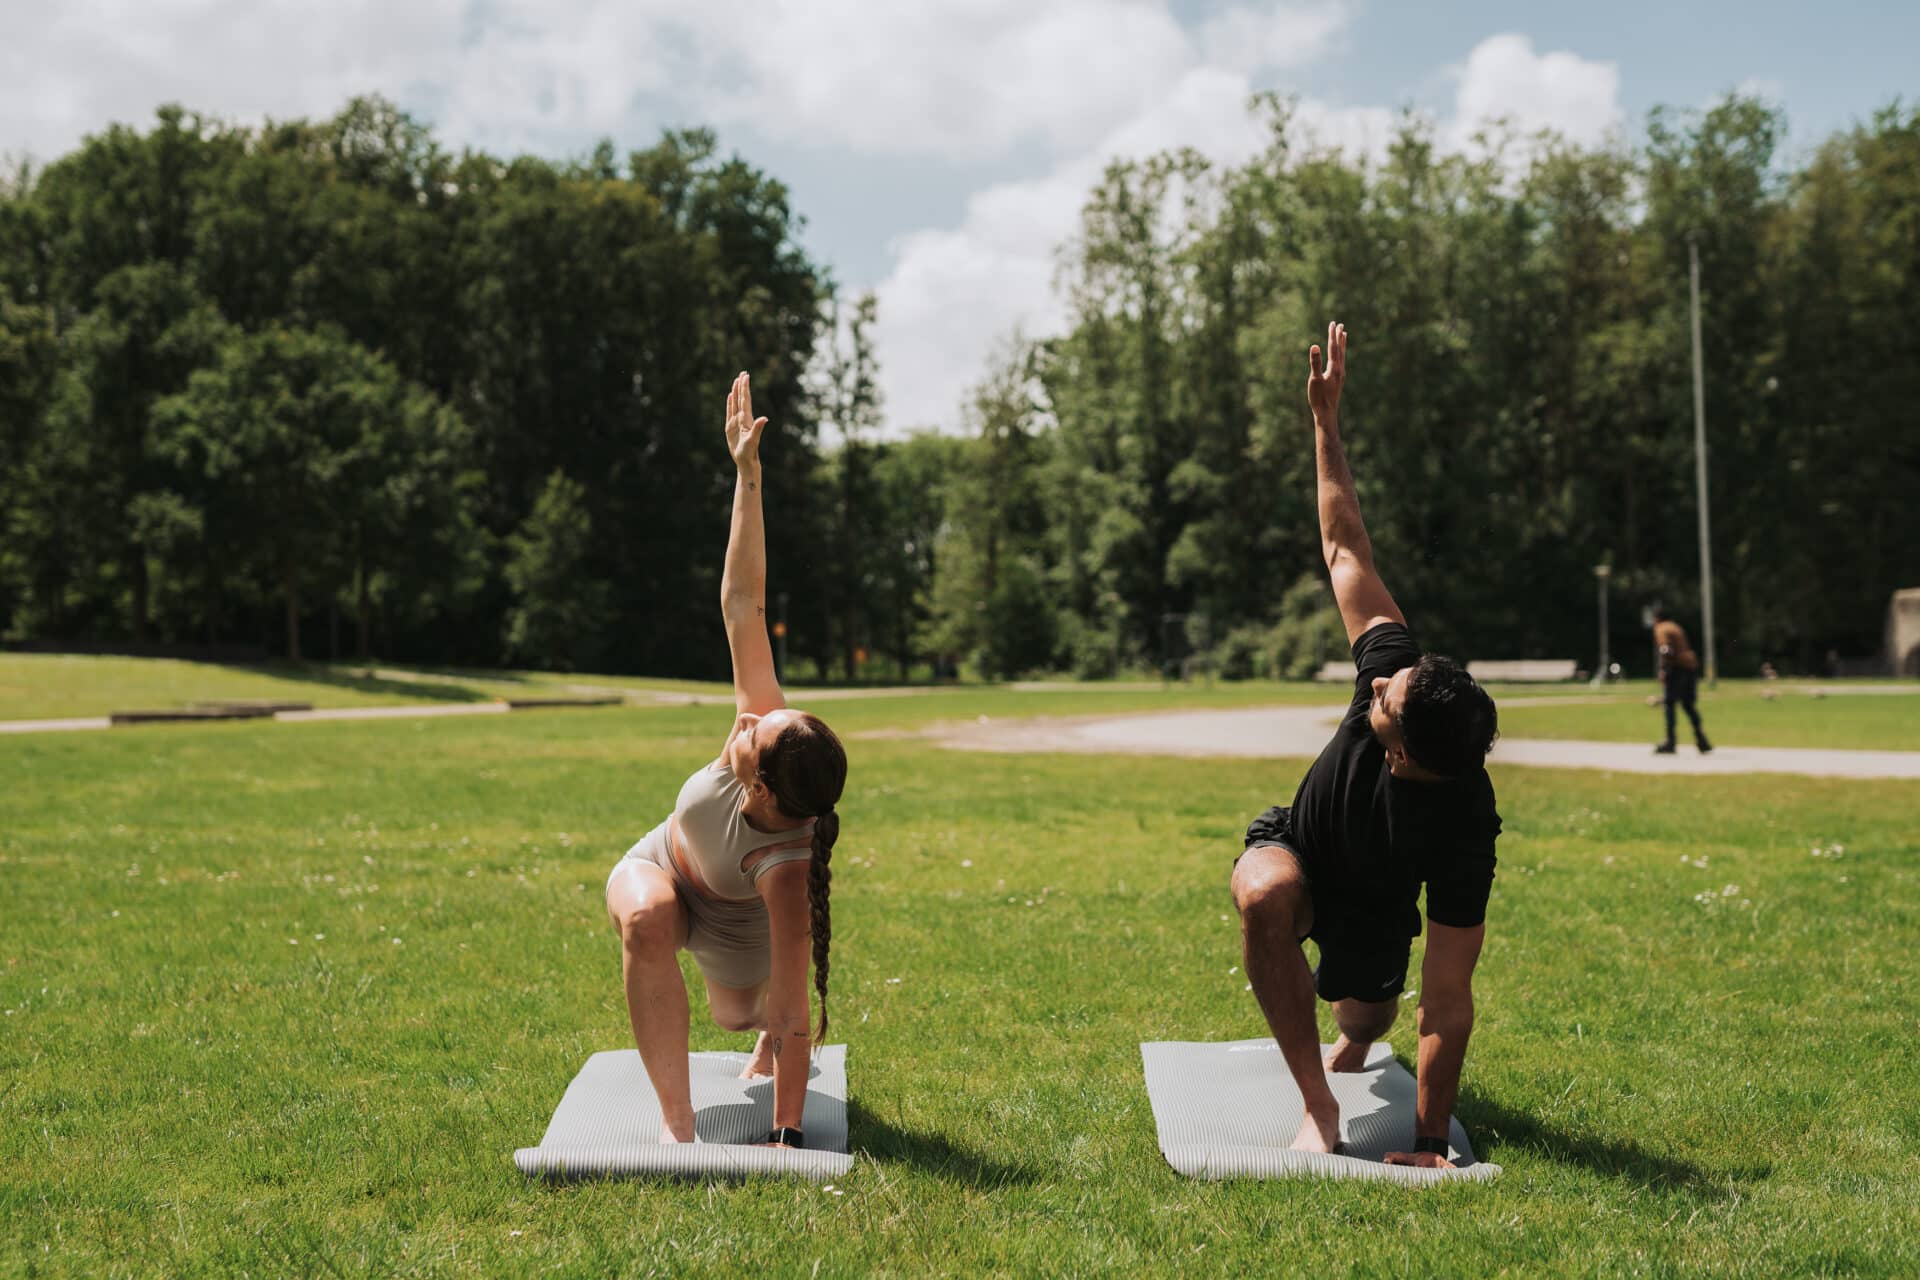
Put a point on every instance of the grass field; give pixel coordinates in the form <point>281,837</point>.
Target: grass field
<point>34,686</point>
<point>284,999</point>
<point>1734,714</point>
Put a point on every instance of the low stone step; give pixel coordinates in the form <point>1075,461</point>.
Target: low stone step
<point>189,714</point>
<point>534,704</point>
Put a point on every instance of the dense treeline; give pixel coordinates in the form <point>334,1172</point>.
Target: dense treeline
<point>325,387</point>
<point>266,385</point>
<point>1519,408</point>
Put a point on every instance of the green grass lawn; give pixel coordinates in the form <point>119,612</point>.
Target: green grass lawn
<point>283,1000</point>
<point>1734,715</point>
<point>48,686</point>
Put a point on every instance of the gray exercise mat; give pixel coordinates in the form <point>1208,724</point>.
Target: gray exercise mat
<point>1231,1111</point>
<point>608,1124</point>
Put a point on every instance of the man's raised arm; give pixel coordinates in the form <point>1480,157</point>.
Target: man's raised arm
<point>1363,599</point>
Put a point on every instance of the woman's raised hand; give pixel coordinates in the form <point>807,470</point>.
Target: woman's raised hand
<point>743,429</point>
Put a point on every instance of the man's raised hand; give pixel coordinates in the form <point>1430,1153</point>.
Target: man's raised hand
<point>743,429</point>
<point>1327,373</point>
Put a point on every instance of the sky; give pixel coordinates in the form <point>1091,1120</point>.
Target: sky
<point>939,150</point>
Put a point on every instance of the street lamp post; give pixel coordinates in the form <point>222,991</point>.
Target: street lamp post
<point>1600,574</point>
<point>1700,465</point>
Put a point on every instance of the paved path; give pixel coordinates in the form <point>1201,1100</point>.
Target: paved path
<point>1302,731</point>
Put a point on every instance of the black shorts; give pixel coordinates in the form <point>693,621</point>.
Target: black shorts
<point>1682,686</point>
<point>1360,959</point>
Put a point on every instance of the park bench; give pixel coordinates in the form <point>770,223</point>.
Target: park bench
<point>534,704</point>
<point>1525,670</point>
<point>1338,670</point>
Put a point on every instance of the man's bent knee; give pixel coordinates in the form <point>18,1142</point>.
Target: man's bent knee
<point>1269,887</point>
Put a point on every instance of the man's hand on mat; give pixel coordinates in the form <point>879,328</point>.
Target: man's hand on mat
<point>1420,1159</point>
<point>743,429</point>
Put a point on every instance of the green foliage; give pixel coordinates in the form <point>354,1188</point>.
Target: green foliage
<point>1519,408</point>
<point>557,611</point>
<point>1304,636</point>
<point>525,317</point>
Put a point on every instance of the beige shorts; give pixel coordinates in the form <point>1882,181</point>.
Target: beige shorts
<point>730,941</point>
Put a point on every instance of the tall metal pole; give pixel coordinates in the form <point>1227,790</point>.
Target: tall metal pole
<point>1700,467</point>
<point>1600,574</point>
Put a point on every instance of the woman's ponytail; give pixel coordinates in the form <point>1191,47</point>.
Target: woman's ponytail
<point>826,830</point>
<point>806,769</point>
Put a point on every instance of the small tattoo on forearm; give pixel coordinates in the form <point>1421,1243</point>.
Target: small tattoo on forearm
<point>776,1046</point>
<point>760,609</point>
<point>751,486</point>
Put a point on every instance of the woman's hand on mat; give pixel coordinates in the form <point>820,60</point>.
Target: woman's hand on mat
<point>1420,1159</point>
<point>743,429</point>
<point>1326,374</point>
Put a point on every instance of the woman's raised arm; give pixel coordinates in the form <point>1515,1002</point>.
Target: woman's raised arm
<point>743,583</point>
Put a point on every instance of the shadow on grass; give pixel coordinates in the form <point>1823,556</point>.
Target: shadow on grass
<point>1490,1123</point>
<point>363,680</point>
<point>878,1139</point>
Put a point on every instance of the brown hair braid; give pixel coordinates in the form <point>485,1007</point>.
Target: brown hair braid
<point>806,769</point>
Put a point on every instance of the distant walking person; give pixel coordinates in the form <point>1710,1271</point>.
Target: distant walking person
<point>1680,675</point>
<point>738,874</point>
<point>1399,798</point>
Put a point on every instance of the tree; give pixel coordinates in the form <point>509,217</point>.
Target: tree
<point>556,617</point>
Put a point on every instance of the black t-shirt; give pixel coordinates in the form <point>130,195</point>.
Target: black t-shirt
<point>1370,840</point>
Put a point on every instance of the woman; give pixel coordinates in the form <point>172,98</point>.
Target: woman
<point>738,875</point>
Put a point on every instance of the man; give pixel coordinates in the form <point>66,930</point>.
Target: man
<point>1680,675</point>
<point>1399,797</point>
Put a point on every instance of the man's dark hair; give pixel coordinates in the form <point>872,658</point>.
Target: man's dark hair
<point>1448,721</point>
<point>1660,613</point>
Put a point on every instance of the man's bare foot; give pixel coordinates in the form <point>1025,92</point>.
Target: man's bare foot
<point>1346,1055</point>
<point>1319,1132</point>
<point>761,1064</point>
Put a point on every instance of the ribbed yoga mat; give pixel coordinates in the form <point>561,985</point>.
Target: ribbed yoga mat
<point>1231,1111</point>
<point>608,1123</point>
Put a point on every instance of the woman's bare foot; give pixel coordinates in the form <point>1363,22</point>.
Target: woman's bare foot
<point>1319,1131</point>
<point>1347,1056</point>
<point>761,1064</point>
<point>672,1133</point>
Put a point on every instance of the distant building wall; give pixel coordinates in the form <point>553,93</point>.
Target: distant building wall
<point>1903,632</point>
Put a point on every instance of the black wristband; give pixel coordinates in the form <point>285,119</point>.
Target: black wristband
<point>1438,1146</point>
<point>791,1137</point>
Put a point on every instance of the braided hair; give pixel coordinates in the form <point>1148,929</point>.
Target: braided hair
<point>806,769</point>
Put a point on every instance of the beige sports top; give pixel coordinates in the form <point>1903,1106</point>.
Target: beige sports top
<point>712,843</point>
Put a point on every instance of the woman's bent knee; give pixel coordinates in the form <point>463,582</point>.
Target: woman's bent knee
<point>645,910</point>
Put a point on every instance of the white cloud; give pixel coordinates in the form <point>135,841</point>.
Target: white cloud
<point>1504,77</point>
<point>953,78</point>
<point>965,77</point>
<point>954,291</point>
<point>1250,40</point>
<point>1076,82</point>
